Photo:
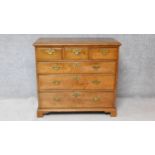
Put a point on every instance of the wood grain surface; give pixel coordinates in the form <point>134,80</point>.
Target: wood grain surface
<point>78,82</point>
<point>58,67</point>
<point>76,99</point>
<point>76,75</point>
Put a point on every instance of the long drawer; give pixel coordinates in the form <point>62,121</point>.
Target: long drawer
<point>92,81</point>
<point>76,99</point>
<point>76,67</point>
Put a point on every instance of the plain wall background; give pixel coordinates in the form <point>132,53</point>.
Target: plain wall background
<point>136,65</point>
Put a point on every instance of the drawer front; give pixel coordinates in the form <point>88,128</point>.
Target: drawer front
<point>73,53</point>
<point>76,67</point>
<point>72,82</point>
<point>47,54</point>
<point>103,53</point>
<point>76,99</point>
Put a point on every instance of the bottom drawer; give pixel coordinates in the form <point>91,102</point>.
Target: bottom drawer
<point>76,99</point>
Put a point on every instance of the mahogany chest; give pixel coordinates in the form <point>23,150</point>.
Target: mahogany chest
<point>76,74</point>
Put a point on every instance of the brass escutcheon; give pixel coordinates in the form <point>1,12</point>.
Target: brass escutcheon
<point>56,82</point>
<point>96,67</point>
<point>56,67</point>
<point>76,94</point>
<point>96,82</point>
<point>57,99</point>
<point>104,51</point>
<point>51,51</point>
<point>76,77</point>
<point>76,64</point>
<point>76,51</point>
<point>96,98</point>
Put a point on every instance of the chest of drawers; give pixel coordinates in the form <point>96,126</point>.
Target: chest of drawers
<point>76,75</point>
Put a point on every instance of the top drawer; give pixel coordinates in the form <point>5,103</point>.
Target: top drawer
<point>103,53</point>
<point>75,53</point>
<point>47,54</point>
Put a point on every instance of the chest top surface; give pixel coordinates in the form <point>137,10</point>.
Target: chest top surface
<point>76,41</point>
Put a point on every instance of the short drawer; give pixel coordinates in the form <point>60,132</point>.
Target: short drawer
<point>76,99</point>
<point>72,82</point>
<point>103,53</point>
<point>74,53</point>
<point>76,67</point>
<point>48,54</point>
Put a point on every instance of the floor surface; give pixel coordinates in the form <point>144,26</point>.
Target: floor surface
<point>129,109</point>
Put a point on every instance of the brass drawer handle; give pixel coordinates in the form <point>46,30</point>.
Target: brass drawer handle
<point>56,67</point>
<point>51,51</point>
<point>96,82</point>
<point>104,51</point>
<point>57,99</point>
<point>77,51</point>
<point>96,99</point>
<point>76,94</point>
<point>96,67</point>
<point>76,78</point>
<point>56,82</point>
<point>76,64</point>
